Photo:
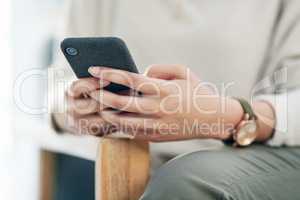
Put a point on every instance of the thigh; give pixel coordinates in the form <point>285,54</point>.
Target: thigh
<point>257,172</point>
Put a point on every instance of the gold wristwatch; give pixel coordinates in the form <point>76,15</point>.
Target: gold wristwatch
<point>245,132</point>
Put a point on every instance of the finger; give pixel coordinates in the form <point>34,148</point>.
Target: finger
<point>91,125</point>
<point>143,128</point>
<point>128,121</point>
<point>155,136</point>
<point>134,81</point>
<point>169,72</point>
<point>81,107</point>
<point>134,104</point>
<point>161,132</point>
<point>84,86</point>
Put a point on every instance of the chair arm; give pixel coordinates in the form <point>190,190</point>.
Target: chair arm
<point>122,169</point>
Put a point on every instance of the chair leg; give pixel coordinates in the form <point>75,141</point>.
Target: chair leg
<point>47,166</point>
<point>122,169</point>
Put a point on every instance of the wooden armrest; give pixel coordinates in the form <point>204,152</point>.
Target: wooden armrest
<point>47,175</point>
<point>122,169</point>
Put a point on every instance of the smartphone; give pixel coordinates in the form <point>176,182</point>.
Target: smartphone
<point>82,53</point>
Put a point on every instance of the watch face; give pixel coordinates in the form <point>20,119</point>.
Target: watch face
<point>247,133</point>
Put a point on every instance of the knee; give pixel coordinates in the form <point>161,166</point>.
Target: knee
<point>225,174</point>
<point>190,177</point>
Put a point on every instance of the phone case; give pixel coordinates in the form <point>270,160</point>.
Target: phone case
<point>83,53</point>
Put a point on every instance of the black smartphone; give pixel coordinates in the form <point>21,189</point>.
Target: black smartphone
<point>83,53</point>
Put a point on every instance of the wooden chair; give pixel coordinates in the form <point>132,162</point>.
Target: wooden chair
<point>121,170</point>
<point>121,165</point>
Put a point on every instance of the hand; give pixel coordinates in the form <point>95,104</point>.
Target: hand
<point>175,105</point>
<point>84,113</point>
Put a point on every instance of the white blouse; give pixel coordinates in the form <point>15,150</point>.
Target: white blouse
<point>250,47</point>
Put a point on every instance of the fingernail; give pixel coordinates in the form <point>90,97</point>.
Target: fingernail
<point>94,71</point>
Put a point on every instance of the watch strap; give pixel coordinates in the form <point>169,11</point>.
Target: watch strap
<point>247,108</point>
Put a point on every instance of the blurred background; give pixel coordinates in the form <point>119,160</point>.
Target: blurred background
<point>26,37</point>
<point>6,140</point>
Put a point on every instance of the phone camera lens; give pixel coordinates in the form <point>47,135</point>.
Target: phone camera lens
<point>72,51</point>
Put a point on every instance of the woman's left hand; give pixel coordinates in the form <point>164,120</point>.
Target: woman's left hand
<point>174,105</point>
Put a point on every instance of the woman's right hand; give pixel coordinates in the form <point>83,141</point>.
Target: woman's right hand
<point>83,114</point>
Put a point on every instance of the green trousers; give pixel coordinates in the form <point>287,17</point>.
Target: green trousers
<point>257,173</point>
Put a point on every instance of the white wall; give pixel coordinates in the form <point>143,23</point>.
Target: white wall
<point>6,138</point>
<point>34,22</point>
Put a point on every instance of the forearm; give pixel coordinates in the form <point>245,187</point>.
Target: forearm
<point>266,120</point>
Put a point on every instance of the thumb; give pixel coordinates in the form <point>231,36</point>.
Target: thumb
<point>169,72</point>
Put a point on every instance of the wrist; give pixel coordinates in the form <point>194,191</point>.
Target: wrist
<point>231,115</point>
<point>257,123</point>
<point>236,113</point>
<point>266,120</point>
<point>245,132</point>
<point>227,114</point>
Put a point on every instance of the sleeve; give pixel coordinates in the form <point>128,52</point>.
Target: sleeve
<point>79,19</point>
<point>280,81</point>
